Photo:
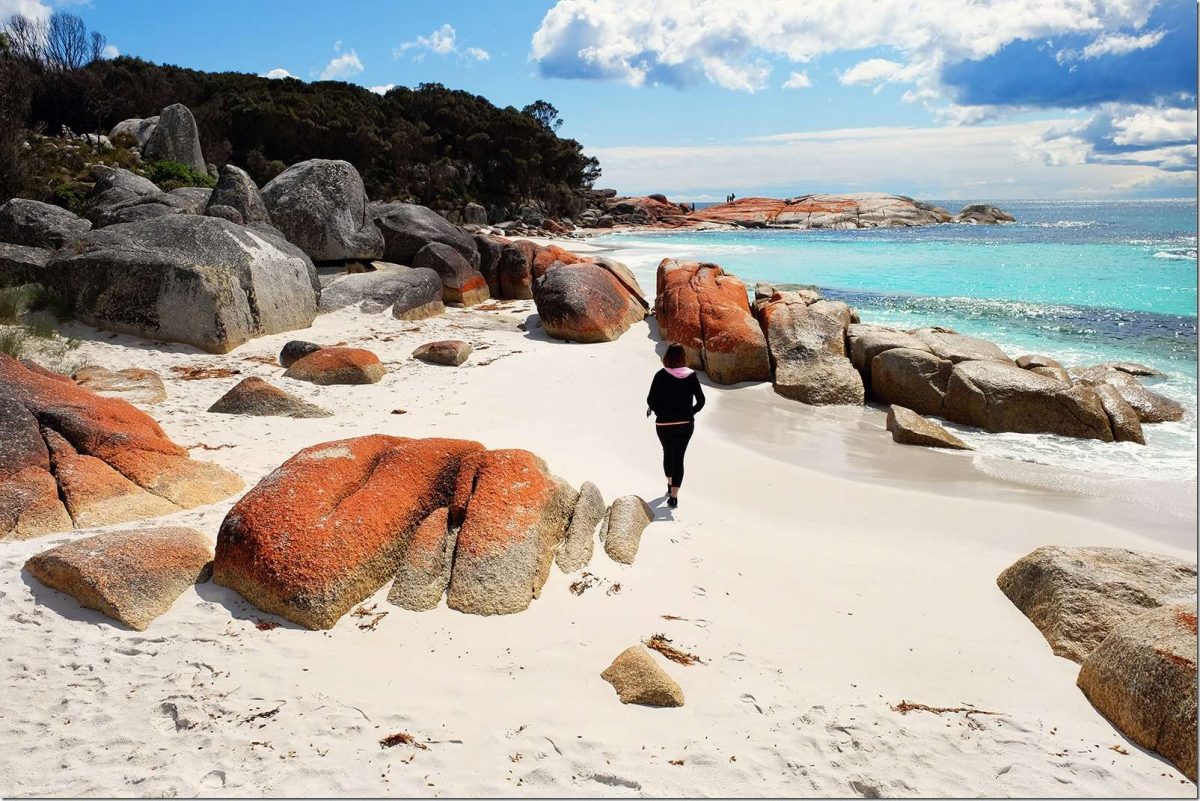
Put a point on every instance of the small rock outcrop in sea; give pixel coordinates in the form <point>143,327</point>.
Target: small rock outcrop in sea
<point>320,205</point>
<point>1142,677</point>
<point>176,138</point>
<point>461,282</point>
<point>411,293</point>
<point>981,214</point>
<point>807,345</point>
<point>140,129</point>
<point>580,541</point>
<point>22,265</point>
<point>236,190</point>
<point>445,517</point>
<point>134,384</point>
<point>39,225</point>
<point>587,302</point>
<point>863,210</point>
<point>1076,596</point>
<point>1151,407</point>
<point>337,366</point>
<point>407,227</point>
<point>621,531</point>
<point>131,576</point>
<point>707,311</point>
<point>254,397</point>
<point>638,679</point>
<point>70,458</point>
<point>296,350</point>
<point>1122,418</point>
<point>186,278</point>
<point>446,352</point>
<point>910,428</point>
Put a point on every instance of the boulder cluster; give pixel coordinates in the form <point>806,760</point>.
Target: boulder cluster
<point>437,517</point>
<point>70,458</point>
<point>1129,619</point>
<point>818,352</point>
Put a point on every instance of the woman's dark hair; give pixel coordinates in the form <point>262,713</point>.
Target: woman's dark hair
<point>675,356</point>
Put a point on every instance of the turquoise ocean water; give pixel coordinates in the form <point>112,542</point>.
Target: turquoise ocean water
<point>1080,281</point>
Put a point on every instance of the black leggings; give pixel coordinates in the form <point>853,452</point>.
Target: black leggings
<point>674,441</point>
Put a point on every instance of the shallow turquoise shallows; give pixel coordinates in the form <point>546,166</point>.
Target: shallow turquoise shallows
<point>1081,281</point>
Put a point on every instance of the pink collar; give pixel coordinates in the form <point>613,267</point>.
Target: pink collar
<point>679,372</point>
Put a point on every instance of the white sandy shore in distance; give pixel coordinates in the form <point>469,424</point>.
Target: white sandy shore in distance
<point>823,574</point>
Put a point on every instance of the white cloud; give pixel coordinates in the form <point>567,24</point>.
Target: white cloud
<point>342,66</point>
<point>442,42</point>
<point>1118,44</point>
<point>111,51</point>
<point>678,42</point>
<point>879,71</point>
<point>797,80</point>
<point>278,72</point>
<point>34,9</point>
<point>1152,125</point>
<point>993,161</point>
<point>382,90</point>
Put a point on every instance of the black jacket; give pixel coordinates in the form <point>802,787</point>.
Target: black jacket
<point>671,398</point>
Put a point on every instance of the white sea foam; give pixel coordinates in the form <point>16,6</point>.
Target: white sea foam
<point>1189,255</point>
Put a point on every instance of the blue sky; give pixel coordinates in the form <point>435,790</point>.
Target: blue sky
<point>696,98</point>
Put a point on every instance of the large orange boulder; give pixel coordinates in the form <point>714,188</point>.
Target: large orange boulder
<point>336,521</point>
<point>337,366</point>
<point>327,528</point>
<point>514,516</point>
<point>585,302</point>
<point>707,311</point>
<point>71,458</point>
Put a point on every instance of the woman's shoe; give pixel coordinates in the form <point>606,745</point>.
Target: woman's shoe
<point>673,503</point>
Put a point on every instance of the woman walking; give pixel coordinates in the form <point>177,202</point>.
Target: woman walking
<point>675,397</point>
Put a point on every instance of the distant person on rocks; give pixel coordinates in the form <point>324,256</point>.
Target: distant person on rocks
<point>675,398</point>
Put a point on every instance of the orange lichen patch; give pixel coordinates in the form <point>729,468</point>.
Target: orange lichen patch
<point>327,528</point>
<point>33,401</point>
<point>1187,620</point>
<point>545,256</point>
<point>741,210</point>
<point>1176,659</point>
<point>337,365</point>
<point>810,205</point>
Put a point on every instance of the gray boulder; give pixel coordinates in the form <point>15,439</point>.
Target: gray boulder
<point>320,205</point>
<point>1077,596</point>
<point>1122,418</point>
<point>139,129</point>
<point>981,214</point>
<point>1002,397</point>
<point>1030,361</point>
<point>959,347</point>
<point>585,302</point>
<point>914,379</point>
<point>22,265</point>
<point>490,248</point>
<point>807,344</point>
<point>1151,406</point>
<point>138,209</point>
<point>474,214</point>
<point>176,138</point>
<point>910,428</point>
<point>236,189</point>
<point>380,288</point>
<point>425,564</point>
<point>622,529</point>
<point>868,341</point>
<point>580,542</point>
<point>39,225</point>
<point>115,186</point>
<point>420,297</point>
<point>225,213</point>
<point>296,350</point>
<point>186,278</point>
<point>255,397</point>
<point>191,199</point>
<point>407,227</point>
<point>461,282</point>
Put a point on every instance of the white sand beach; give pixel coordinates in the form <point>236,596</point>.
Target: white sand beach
<point>822,573</point>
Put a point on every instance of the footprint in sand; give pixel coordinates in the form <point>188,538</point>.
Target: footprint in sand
<point>736,656</point>
<point>699,591</point>
<point>214,778</point>
<point>747,698</point>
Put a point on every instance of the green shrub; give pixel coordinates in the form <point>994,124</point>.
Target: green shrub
<point>71,195</point>
<point>16,301</point>
<point>173,175</point>
<point>13,342</point>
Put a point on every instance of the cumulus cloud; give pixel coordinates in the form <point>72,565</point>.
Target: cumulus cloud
<point>880,71</point>
<point>1160,138</point>
<point>682,42</point>
<point>1118,44</point>
<point>111,51</point>
<point>442,42</point>
<point>797,80</point>
<point>382,90</point>
<point>34,9</point>
<point>342,66</point>
<point>278,72</point>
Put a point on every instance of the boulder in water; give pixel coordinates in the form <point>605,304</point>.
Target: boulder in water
<point>910,428</point>
<point>807,344</point>
<point>914,379</point>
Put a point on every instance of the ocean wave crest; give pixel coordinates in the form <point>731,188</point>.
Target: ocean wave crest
<point>1181,253</point>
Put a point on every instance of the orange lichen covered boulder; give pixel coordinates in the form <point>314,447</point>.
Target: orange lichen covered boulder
<point>108,461</point>
<point>707,311</point>
<point>545,256</point>
<point>514,515</point>
<point>332,524</point>
<point>131,576</point>
<point>327,528</point>
<point>855,210</point>
<point>585,302</point>
<point>337,366</point>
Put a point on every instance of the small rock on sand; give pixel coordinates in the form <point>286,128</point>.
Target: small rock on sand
<point>296,350</point>
<point>577,548</point>
<point>622,531</point>
<point>132,384</point>
<point>448,352</point>
<point>910,428</point>
<point>338,366</point>
<point>638,679</point>
<point>255,397</point>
